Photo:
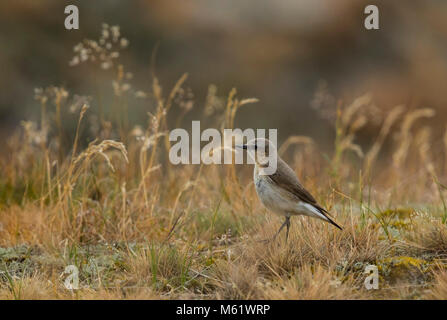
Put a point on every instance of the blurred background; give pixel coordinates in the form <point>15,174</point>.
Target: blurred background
<point>296,57</point>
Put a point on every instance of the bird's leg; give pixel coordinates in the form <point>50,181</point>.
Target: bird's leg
<point>286,223</point>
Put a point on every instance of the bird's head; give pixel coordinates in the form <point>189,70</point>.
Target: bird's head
<point>262,150</point>
<point>259,144</point>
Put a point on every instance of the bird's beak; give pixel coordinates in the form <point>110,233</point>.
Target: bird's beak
<point>244,146</point>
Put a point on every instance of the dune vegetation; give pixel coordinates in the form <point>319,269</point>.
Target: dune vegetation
<point>85,186</point>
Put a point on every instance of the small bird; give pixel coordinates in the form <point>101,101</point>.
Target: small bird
<point>281,191</point>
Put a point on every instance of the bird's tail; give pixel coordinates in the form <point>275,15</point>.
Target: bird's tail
<point>328,217</point>
<point>333,222</point>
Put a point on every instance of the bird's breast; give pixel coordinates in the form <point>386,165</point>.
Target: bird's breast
<point>270,197</point>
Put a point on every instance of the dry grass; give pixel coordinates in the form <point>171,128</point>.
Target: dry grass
<point>138,227</point>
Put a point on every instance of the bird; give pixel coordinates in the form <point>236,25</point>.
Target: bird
<point>281,191</point>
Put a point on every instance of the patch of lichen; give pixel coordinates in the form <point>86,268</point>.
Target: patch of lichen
<point>394,270</point>
<point>17,262</point>
<point>23,261</point>
<point>395,221</point>
<point>404,268</point>
<point>400,213</point>
<point>400,224</point>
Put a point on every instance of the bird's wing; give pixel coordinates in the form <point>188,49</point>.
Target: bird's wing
<point>286,178</point>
